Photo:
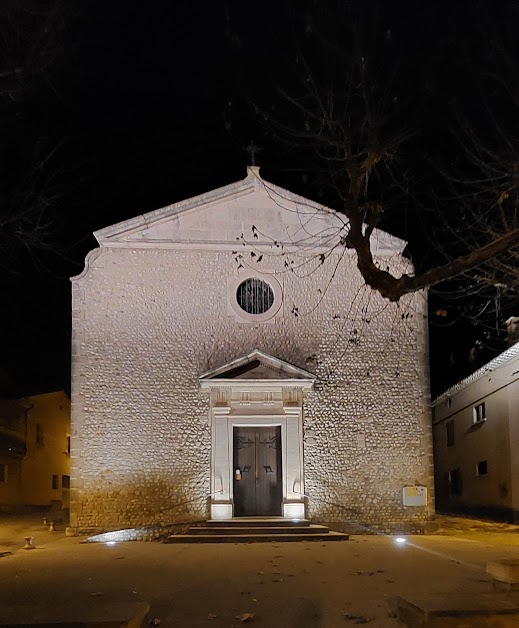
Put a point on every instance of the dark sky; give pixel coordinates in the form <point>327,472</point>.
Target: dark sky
<point>143,104</point>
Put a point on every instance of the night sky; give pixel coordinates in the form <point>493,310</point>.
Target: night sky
<point>125,107</point>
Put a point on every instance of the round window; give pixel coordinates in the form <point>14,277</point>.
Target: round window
<point>255,296</point>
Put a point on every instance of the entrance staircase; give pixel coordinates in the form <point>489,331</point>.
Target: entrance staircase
<point>257,530</point>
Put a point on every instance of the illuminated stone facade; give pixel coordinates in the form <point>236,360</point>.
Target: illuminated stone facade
<point>163,355</point>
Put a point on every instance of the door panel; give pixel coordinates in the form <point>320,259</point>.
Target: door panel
<point>257,454</point>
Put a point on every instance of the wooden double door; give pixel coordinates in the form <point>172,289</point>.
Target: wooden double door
<point>258,489</point>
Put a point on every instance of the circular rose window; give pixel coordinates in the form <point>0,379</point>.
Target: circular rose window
<point>255,296</point>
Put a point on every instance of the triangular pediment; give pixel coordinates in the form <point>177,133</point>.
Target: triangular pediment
<point>250,211</point>
<point>257,366</point>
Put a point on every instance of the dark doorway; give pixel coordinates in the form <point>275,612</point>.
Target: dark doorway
<point>258,486</point>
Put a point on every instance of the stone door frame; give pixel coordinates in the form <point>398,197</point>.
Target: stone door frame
<point>256,403</point>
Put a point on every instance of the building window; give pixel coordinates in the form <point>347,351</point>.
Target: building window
<point>255,296</point>
<point>450,433</point>
<point>68,444</point>
<point>65,481</point>
<point>482,468</point>
<point>3,473</point>
<point>39,434</point>
<point>55,482</point>
<point>479,413</point>
<point>455,487</point>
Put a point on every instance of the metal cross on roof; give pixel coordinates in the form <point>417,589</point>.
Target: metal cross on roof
<point>252,149</point>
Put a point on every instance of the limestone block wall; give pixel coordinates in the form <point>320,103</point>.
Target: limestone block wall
<point>148,321</point>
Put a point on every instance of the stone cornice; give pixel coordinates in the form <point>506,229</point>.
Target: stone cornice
<point>267,384</point>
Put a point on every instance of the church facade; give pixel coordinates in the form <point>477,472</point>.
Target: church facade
<point>228,360</point>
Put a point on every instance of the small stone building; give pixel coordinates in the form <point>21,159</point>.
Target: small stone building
<point>228,360</point>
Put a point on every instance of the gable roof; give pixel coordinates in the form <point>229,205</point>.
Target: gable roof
<point>498,362</point>
<point>257,365</point>
<point>311,223</point>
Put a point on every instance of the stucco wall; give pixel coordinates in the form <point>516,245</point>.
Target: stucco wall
<point>10,487</point>
<point>513,415</point>
<point>148,322</point>
<point>12,450</point>
<point>493,440</point>
<point>51,411</point>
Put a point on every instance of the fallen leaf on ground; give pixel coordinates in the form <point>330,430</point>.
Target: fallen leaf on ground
<point>96,593</point>
<point>212,616</point>
<point>245,617</point>
<point>356,619</point>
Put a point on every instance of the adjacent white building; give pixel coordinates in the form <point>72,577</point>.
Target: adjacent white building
<point>228,360</point>
<point>476,441</point>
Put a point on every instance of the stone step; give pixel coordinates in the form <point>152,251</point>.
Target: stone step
<point>256,538</point>
<point>256,522</point>
<point>250,530</point>
<point>79,612</point>
<point>473,610</point>
<point>505,573</point>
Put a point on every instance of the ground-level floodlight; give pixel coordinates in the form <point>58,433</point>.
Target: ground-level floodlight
<point>28,543</point>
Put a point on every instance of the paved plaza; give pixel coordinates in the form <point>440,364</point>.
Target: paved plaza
<point>281,585</point>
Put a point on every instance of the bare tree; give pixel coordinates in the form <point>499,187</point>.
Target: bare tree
<point>347,110</point>
<point>32,177</point>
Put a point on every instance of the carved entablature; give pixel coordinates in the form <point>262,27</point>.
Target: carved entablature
<point>257,384</point>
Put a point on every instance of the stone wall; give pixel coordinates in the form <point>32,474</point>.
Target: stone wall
<point>147,322</point>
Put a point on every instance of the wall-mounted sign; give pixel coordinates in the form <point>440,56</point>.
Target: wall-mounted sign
<point>414,495</point>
